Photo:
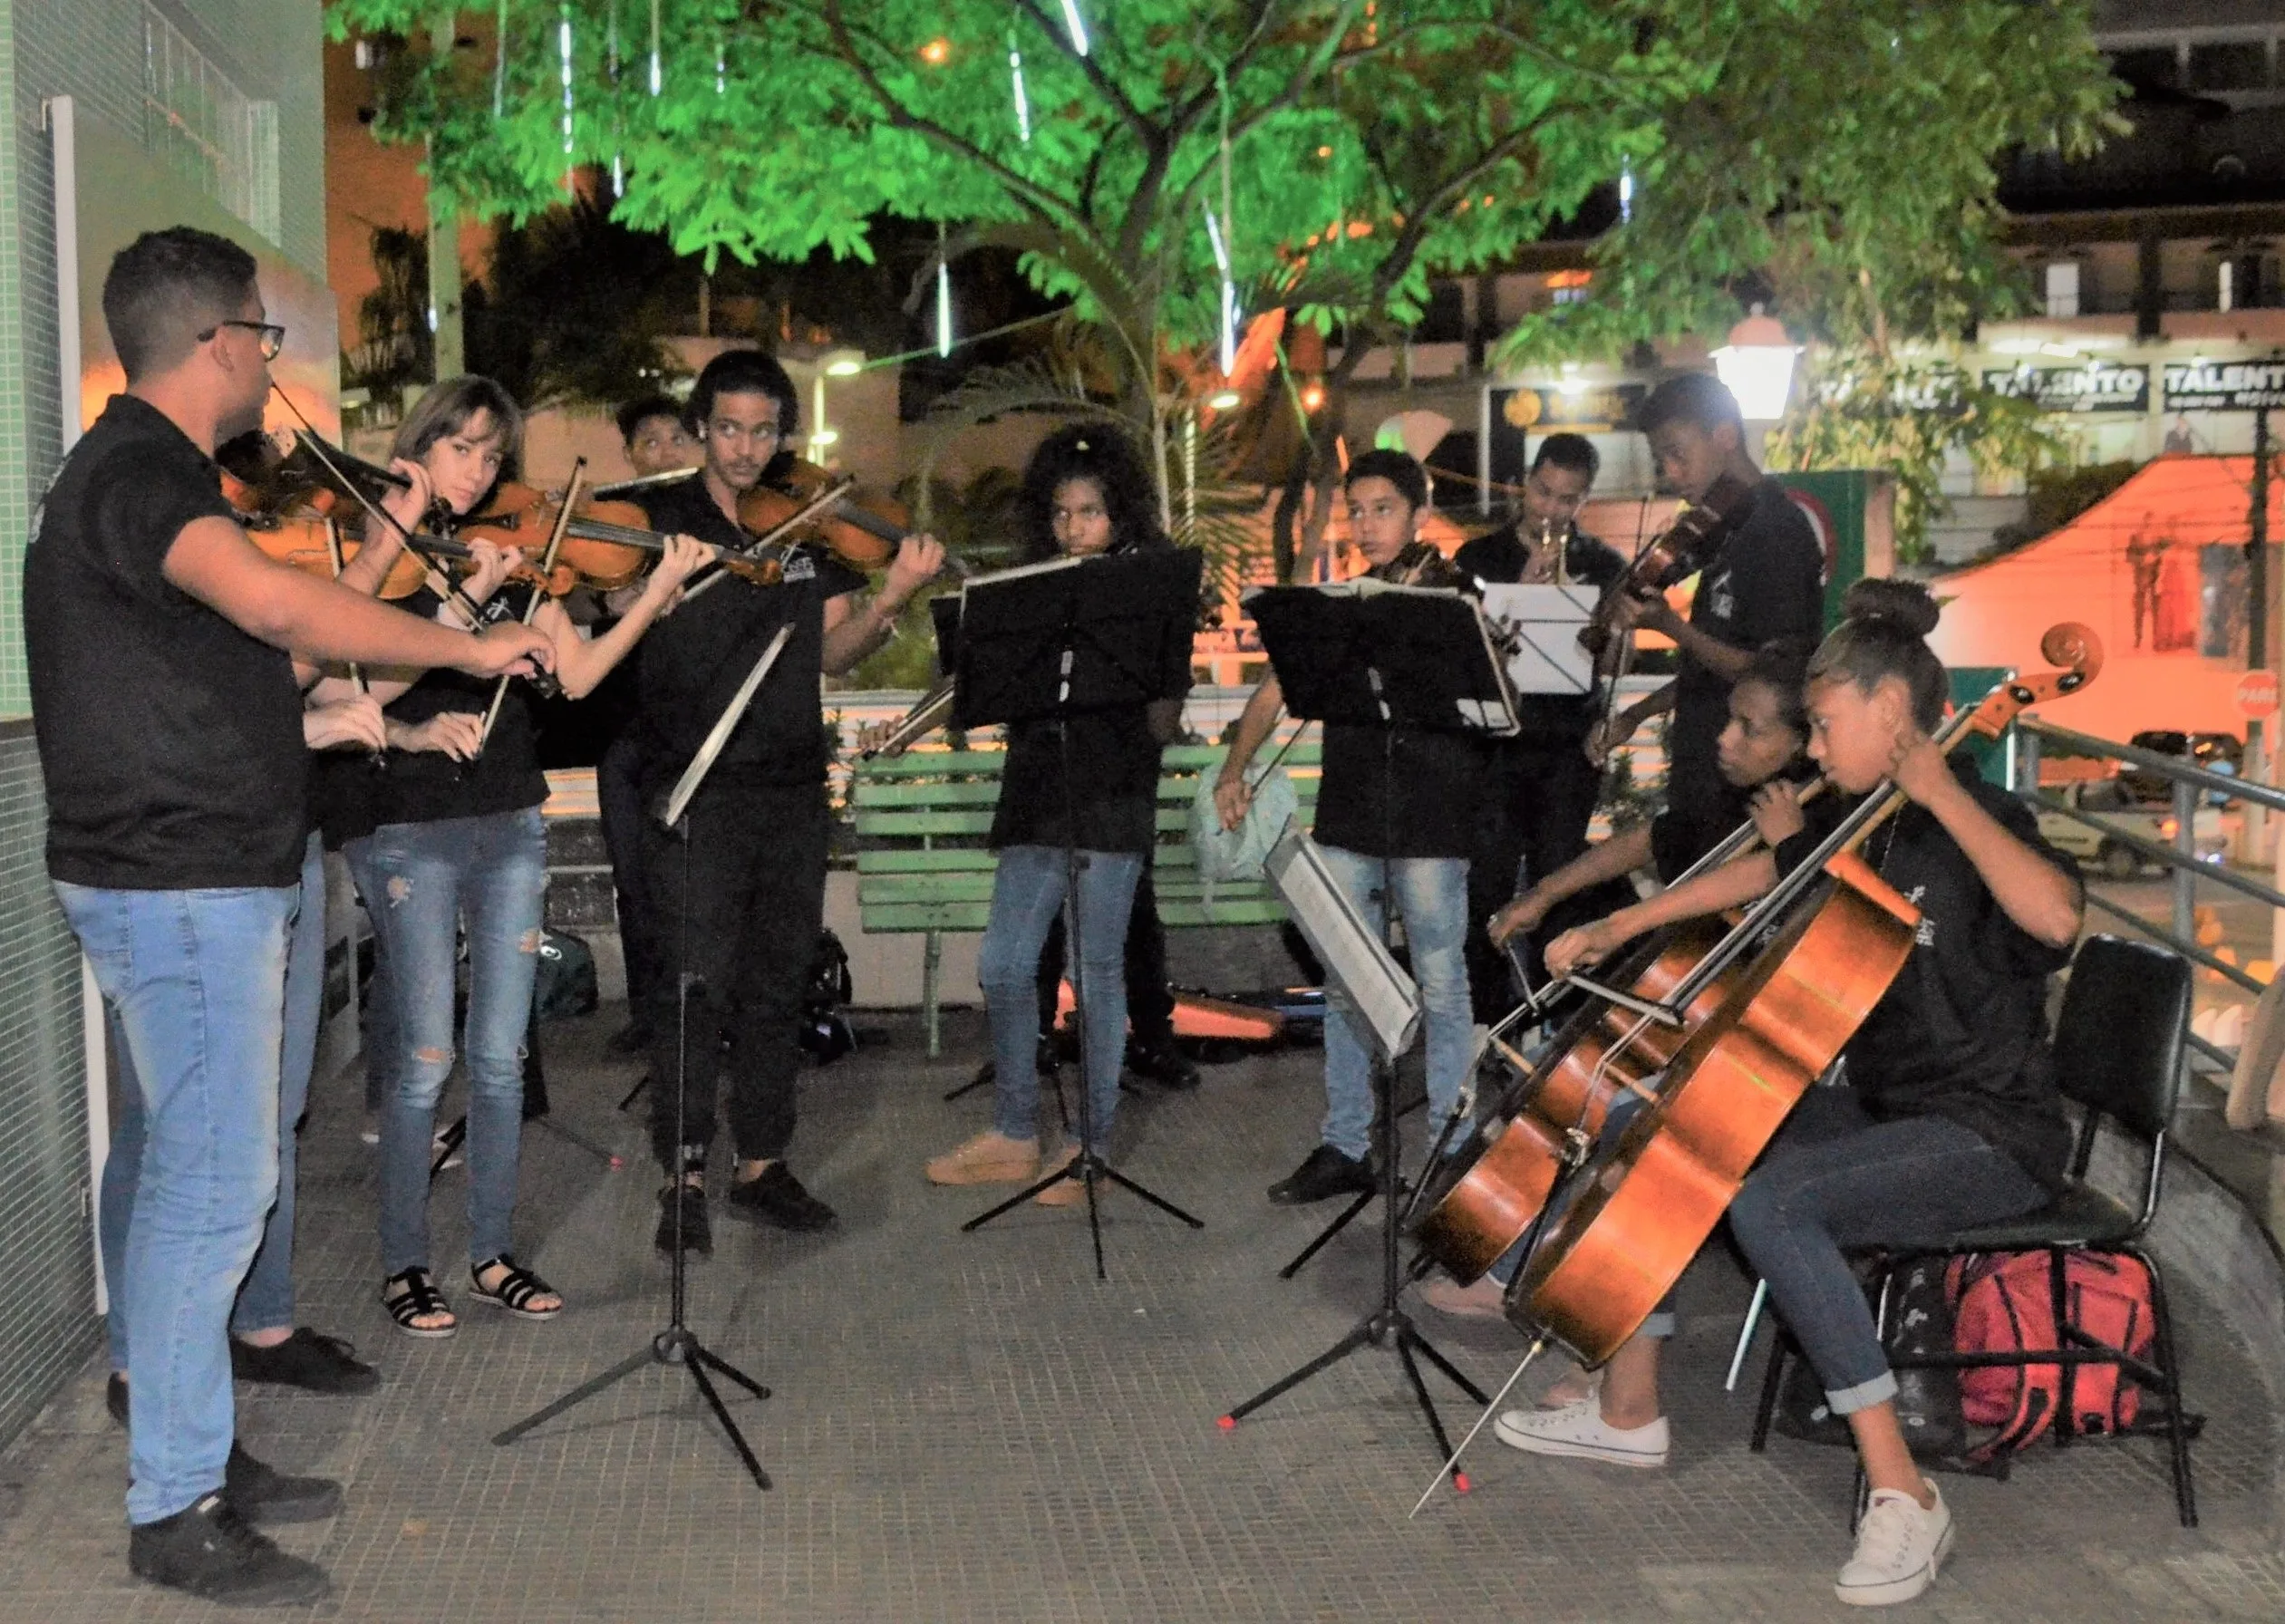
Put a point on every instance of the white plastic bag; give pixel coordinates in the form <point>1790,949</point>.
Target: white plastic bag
<point>1228,857</point>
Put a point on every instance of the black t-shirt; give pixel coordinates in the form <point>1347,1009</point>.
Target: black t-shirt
<point>1765,584</point>
<point>1498,559</point>
<point>1961,1032</point>
<point>1402,792</point>
<point>170,741</point>
<point>694,659</point>
<point>1114,784</point>
<point>353,796</point>
<point>1680,836</point>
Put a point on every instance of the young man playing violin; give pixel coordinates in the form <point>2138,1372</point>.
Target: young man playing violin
<point>743,929</point>
<point>1765,585</point>
<point>1396,816</point>
<point>177,818</point>
<point>1947,1115</point>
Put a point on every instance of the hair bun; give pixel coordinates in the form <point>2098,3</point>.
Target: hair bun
<point>1907,605</point>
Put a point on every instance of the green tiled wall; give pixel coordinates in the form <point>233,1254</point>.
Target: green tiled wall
<point>90,50</point>
<point>47,1313</point>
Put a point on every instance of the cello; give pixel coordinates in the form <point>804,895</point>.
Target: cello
<point>1842,933</point>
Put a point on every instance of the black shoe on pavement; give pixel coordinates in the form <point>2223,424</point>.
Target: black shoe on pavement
<point>208,1551</point>
<point>698,1230</point>
<point>632,1039</point>
<point>1325,1172</point>
<point>775,1196</point>
<point>257,1492</point>
<point>262,1494</point>
<point>307,1359</point>
<point>1163,1062</point>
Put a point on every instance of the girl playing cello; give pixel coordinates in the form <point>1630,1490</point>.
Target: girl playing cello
<point>1949,1114</point>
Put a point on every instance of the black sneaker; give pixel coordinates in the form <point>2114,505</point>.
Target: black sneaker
<point>775,1196</point>
<point>262,1494</point>
<point>698,1230</point>
<point>258,1492</point>
<point>306,1360</point>
<point>1326,1172</point>
<point>208,1551</point>
<point>1163,1062</point>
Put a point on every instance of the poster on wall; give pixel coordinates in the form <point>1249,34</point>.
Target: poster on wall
<point>1515,415</point>
<point>122,192</point>
<point>2094,386</point>
<point>2225,385</point>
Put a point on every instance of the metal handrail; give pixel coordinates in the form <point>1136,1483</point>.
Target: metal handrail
<point>2172,767</point>
<point>2151,851</point>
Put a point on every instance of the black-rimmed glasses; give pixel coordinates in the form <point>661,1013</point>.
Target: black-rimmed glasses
<point>272,335</point>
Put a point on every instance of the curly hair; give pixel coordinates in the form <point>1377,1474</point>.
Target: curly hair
<point>1097,453</point>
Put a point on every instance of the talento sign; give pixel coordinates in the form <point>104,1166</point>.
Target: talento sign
<point>2225,385</point>
<point>2092,386</point>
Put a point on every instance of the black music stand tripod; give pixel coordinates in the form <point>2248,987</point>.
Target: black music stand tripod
<point>1047,643</point>
<point>1416,661</point>
<point>678,1344</point>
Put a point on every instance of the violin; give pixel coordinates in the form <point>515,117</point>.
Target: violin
<point>1837,934</point>
<point>606,545</point>
<point>301,541</point>
<point>805,505</point>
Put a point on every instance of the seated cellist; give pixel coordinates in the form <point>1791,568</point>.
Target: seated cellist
<point>1761,747</point>
<point>1949,1114</point>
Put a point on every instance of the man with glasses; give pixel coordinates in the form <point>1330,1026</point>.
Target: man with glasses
<point>738,911</point>
<point>161,647</point>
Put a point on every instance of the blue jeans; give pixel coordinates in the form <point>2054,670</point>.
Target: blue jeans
<point>419,881</point>
<point>1834,1178</point>
<point>1431,894</point>
<point>1027,894</point>
<point>198,980</point>
<point>265,1302</point>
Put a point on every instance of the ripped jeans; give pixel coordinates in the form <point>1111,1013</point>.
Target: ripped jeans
<point>419,881</point>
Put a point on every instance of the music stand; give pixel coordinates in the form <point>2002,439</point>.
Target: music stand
<point>1046,643</point>
<point>678,1344</point>
<point>1368,653</point>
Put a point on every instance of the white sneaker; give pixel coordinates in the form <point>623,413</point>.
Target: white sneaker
<point>1899,1547</point>
<point>1579,1431</point>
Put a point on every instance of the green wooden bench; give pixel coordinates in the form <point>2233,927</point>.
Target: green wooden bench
<point>922,865</point>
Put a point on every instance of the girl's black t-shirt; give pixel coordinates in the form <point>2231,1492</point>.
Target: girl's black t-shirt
<point>1114,784</point>
<point>353,795</point>
<point>1961,1032</point>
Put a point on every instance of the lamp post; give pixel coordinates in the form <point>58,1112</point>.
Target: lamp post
<point>833,364</point>
<point>1756,366</point>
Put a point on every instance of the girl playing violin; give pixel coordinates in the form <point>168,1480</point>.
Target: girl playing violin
<point>1949,1114</point>
<point>455,833</point>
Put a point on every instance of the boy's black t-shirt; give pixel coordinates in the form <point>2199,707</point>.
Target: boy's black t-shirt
<point>170,741</point>
<point>1961,1032</point>
<point>1498,559</point>
<point>1402,792</point>
<point>694,659</point>
<point>1766,583</point>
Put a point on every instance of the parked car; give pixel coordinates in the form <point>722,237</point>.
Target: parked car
<point>2111,802</point>
<point>2216,752</point>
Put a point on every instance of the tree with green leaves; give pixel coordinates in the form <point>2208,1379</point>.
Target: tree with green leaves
<point>1159,162</point>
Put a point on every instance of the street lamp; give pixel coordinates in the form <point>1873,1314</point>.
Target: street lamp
<point>833,364</point>
<point>1756,366</point>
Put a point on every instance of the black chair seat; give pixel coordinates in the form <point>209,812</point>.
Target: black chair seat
<point>2078,1217</point>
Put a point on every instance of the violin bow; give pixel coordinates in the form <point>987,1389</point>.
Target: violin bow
<point>434,579</point>
<point>335,555</point>
<point>539,596</point>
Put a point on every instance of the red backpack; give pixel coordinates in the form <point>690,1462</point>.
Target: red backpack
<point>2001,1304</point>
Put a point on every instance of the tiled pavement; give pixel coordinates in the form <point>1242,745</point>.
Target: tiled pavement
<point>970,1427</point>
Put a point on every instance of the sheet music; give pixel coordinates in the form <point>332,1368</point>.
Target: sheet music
<point>1544,623</point>
<point>1353,954</point>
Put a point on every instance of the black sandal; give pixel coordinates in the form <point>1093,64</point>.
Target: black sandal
<point>516,1289</point>
<point>419,1299</point>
